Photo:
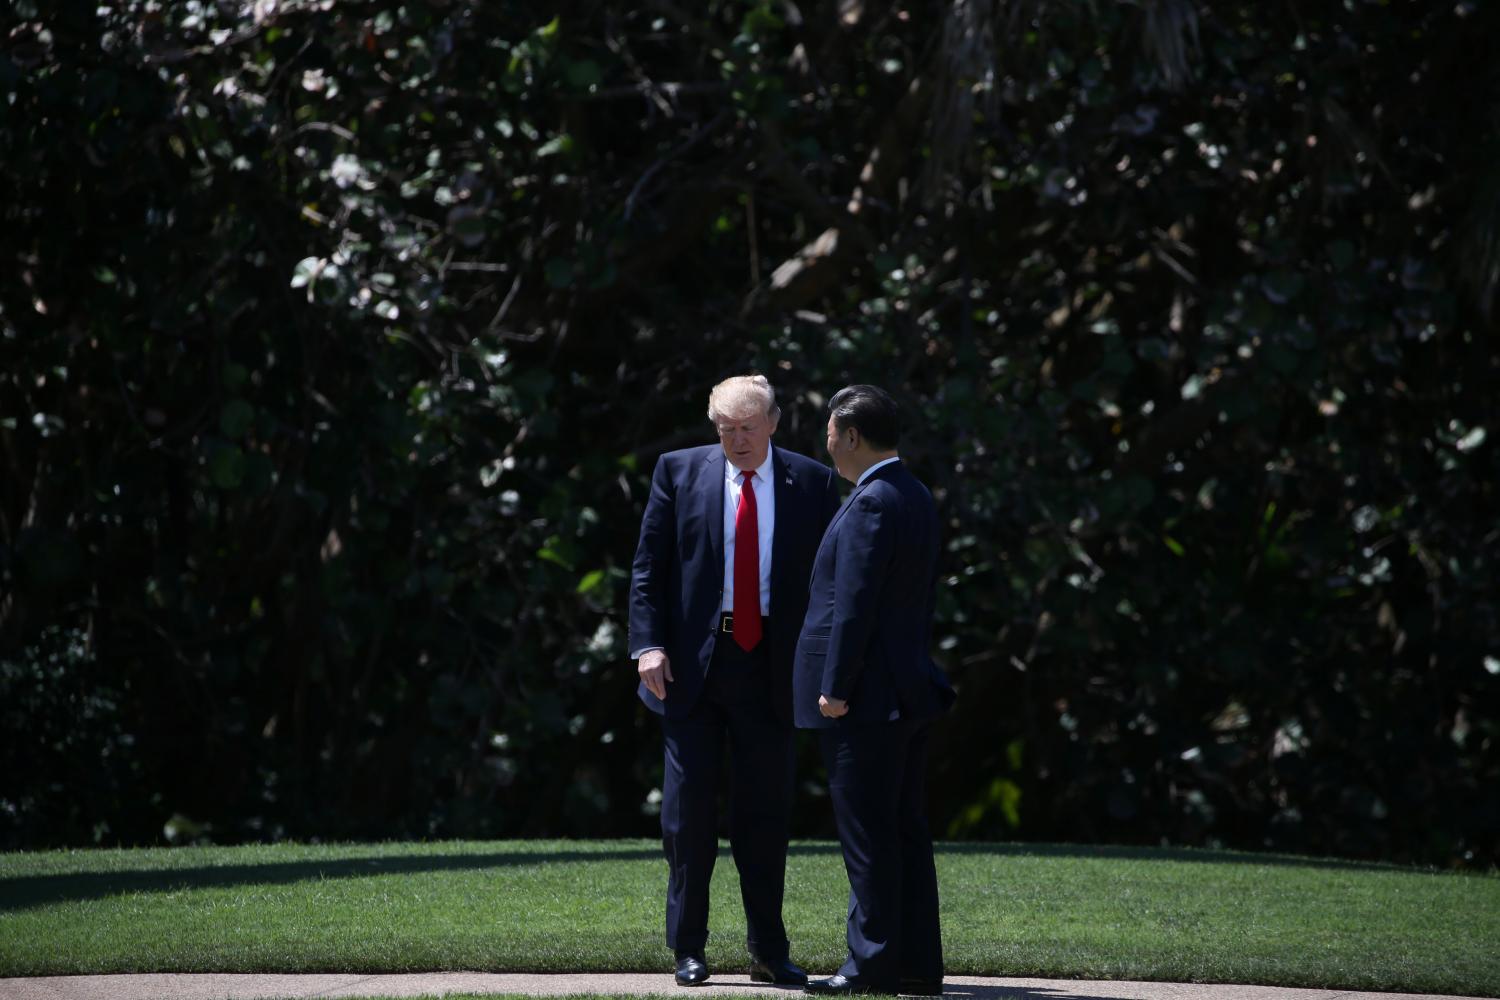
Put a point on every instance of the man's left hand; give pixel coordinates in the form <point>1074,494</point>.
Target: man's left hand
<point>833,708</point>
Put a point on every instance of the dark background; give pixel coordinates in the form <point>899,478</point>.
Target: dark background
<point>337,343</point>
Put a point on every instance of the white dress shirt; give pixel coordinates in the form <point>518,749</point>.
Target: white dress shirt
<point>765,522</point>
<point>765,509</point>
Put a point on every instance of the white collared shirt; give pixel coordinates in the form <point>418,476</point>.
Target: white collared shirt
<point>765,509</point>
<point>866,474</point>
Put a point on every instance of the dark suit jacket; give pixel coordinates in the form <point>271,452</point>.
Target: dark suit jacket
<point>869,619</point>
<point>677,581</point>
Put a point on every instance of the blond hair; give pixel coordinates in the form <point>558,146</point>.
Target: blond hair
<point>738,395</point>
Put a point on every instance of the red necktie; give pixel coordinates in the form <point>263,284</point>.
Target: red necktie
<point>746,567</point>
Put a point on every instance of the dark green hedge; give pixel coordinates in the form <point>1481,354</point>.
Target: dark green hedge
<point>339,340</point>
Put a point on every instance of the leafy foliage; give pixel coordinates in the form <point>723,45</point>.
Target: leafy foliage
<point>339,341</point>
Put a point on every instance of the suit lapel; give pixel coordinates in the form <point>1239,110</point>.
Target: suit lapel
<point>782,529</point>
<point>711,495</point>
<point>848,502</point>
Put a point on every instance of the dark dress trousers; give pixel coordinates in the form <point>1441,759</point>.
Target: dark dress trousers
<point>866,640</point>
<point>719,693</point>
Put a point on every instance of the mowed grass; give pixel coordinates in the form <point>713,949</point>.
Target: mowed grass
<point>596,906</point>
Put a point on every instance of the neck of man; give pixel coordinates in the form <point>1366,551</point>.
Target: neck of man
<point>871,458</point>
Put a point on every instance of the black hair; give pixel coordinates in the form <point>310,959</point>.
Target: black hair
<point>870,410</point>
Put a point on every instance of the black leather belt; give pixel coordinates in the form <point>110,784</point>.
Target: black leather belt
<point>726,623</point>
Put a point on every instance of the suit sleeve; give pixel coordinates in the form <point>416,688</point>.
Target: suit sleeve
<point>866,545</point>
<point>653,558</point>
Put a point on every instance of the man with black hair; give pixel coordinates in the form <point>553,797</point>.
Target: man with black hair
<point>863,677</point>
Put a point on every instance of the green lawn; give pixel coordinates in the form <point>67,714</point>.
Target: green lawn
<point>588,906</point>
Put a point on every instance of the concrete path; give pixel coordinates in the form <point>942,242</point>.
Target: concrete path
<point>435,984</point>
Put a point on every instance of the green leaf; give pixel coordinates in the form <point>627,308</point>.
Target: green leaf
<point>1282,359</point>
<point>552,552</point>
<point>583,74</point>
<point>559,144</point>
<point>260,474</point>
<point>236,418</point>
<point>1174,545</point>
<point>1127,496</point>
<point>761,20</point>
<point>1341,253</point>
<point>604,276</point>
<point>559,273</point>
<point>226,467</point>
<point>1118,362</point>
<point>591,581</point>
<point>235,376</point>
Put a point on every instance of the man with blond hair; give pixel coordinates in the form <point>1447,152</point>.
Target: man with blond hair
<point>718,592</point>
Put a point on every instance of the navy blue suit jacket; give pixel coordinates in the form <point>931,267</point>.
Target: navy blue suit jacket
<point>868,630</point>
<point>677,580</point>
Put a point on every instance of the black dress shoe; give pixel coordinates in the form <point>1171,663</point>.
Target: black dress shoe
<point>691,971</point>
<point>921,987</point>
<point>837,985</point>
<point>781,971</point>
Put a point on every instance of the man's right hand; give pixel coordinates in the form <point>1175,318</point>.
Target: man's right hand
<point>655,671</point>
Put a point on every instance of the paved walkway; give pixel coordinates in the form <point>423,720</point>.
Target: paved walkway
<point>434,984</point>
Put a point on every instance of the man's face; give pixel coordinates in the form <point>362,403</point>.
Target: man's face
<point>746,438</point>
<point>838,450</point>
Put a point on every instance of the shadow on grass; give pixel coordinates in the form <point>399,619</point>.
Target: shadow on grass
<point>1184,854</point>
<point>28,891</point>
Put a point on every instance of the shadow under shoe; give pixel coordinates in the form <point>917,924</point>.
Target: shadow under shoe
<point>843,986</point>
